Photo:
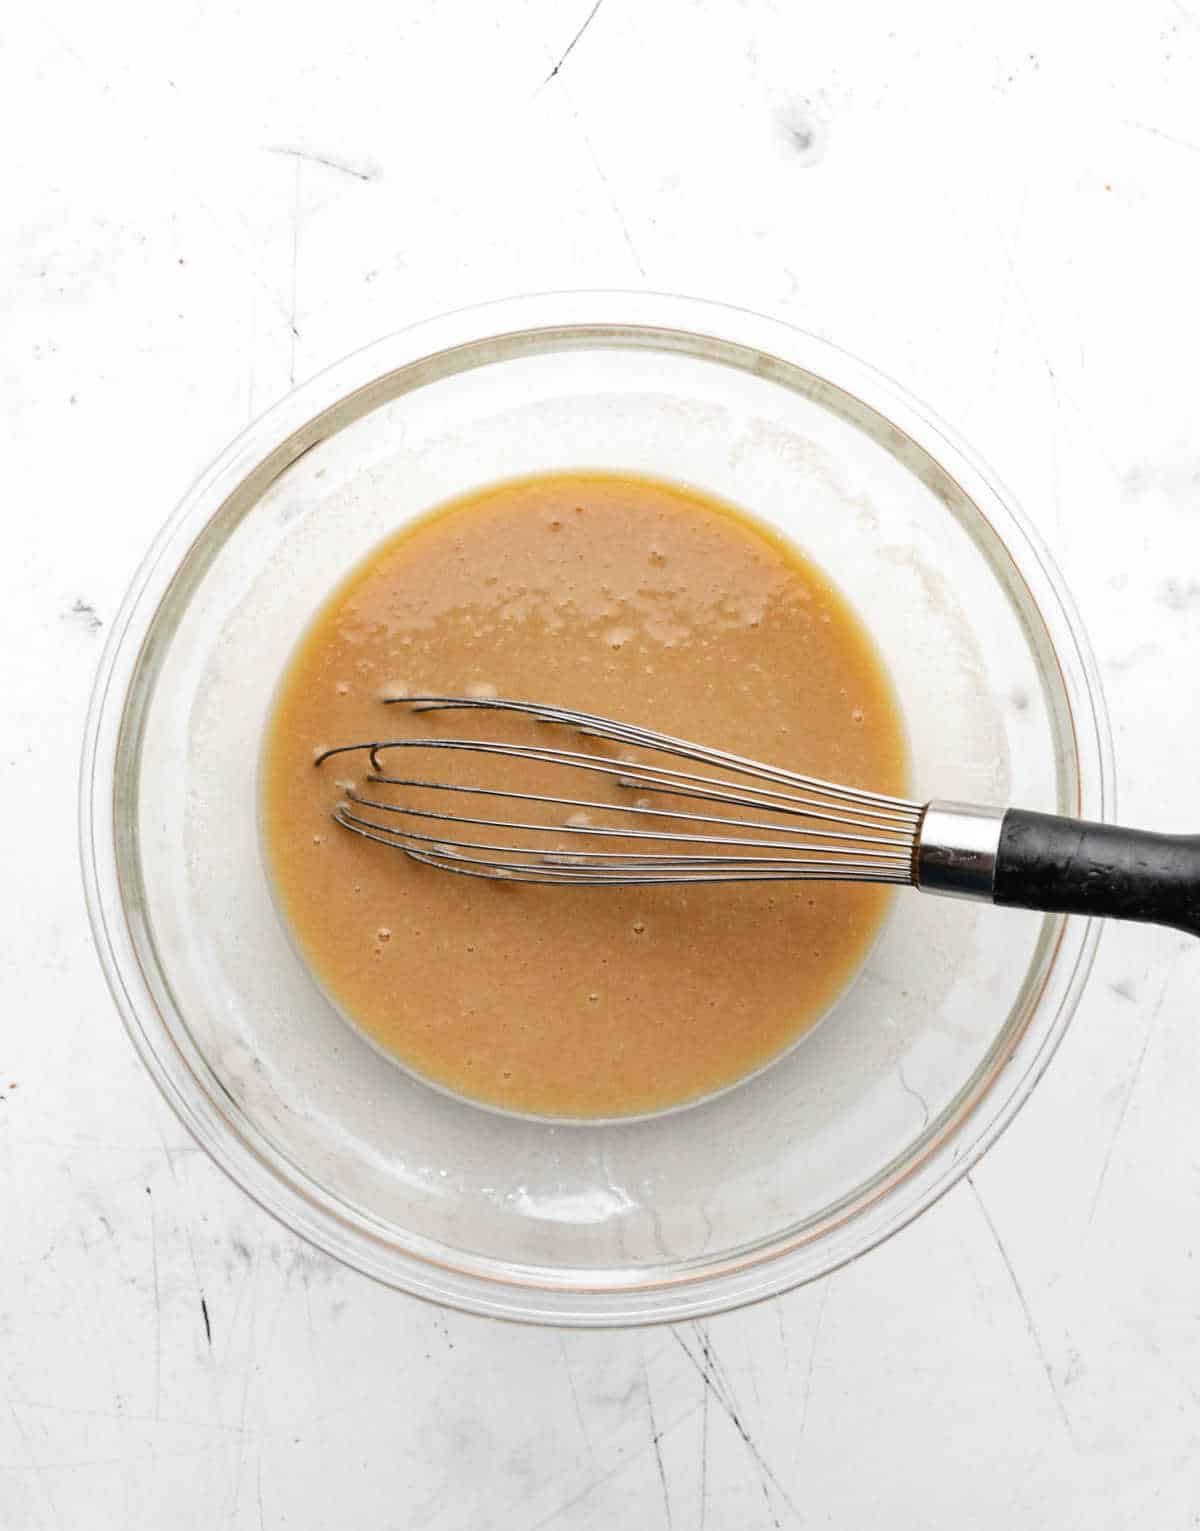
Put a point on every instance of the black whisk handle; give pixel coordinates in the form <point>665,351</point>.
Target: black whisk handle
<point>1072,866</point>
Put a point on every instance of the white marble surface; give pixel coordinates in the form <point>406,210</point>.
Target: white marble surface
<point>202,203</point>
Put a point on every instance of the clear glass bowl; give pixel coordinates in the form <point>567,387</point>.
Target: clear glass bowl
<point>847,1137</point>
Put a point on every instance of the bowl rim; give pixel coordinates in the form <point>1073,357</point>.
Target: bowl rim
<point>267,446</point>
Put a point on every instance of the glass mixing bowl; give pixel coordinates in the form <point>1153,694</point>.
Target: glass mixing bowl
<point>846,1138</point>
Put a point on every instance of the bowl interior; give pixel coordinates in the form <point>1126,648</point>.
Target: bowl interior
<point>894,1074</point>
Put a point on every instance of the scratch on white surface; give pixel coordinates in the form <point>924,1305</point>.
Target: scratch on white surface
<point>1170,138</point>
<point>570,1371</point>
<point>1035,332</point>
<point>812,1350</point>
<point>232,1321</point>
<point>717,1383</point>
<point>1056,456</point>
<point>1010,278</point>
<point>248,1369</point>
<point>35,1466</point>
<point>98,1145</point>
<point>169,1154</point>
<point>622,222</point>
<point>360,171</point>
<point>1030,1326</point>
<point>570,48</point>
<point>157,1309</point>
<point>132,1419</point>
<point>554,1518</point>
<point>292,331</point>
<point>1056,393</point>
<point>608,192</point>
<point>311,1330</point>
<point>656,1439</point>
<point>252,354</point>
<point>99,85</point>
<point>262,1522</point>
<point>704,1462</point>
<point>1125,1104</point>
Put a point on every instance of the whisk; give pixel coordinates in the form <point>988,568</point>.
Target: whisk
<point>760,823</point>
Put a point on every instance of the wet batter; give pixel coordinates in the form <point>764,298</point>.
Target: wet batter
<point>631,598</point>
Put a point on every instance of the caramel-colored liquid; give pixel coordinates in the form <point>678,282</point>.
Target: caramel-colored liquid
<point>630,598</point>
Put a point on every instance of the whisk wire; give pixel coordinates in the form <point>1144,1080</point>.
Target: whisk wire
<point>873,841</point>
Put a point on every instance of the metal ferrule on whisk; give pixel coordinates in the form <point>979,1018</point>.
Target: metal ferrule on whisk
<point>957,845</point>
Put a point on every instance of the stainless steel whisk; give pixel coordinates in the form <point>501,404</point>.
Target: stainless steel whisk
<point>804,828</point>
